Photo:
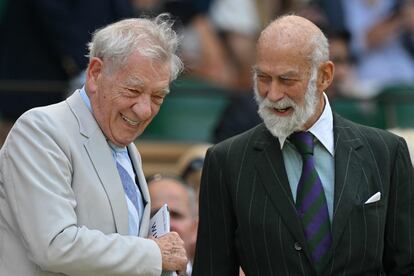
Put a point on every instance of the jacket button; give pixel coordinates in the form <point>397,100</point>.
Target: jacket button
<point>297,246</point>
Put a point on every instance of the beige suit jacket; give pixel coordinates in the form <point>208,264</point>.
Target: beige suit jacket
<point>62,206</point>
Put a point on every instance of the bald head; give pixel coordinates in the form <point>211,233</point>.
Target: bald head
<point>297,34</point>
<point>174,192</point>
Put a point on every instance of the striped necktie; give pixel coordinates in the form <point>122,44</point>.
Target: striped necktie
<point>129,186</point>
<point>311,202</point>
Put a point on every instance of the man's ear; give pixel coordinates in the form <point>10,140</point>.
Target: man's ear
<point>93,73</point>
<point>325,75</point>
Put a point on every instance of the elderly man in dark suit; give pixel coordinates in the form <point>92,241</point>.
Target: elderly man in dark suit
<point>307,192</point>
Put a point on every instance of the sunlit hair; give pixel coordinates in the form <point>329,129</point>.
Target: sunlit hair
<point>152,38</point>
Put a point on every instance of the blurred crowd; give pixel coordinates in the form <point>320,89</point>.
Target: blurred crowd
<point>42,54</point>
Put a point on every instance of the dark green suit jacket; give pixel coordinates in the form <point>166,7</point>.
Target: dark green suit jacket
<point>248,216</point>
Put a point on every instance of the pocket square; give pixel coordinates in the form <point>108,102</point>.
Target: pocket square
<point>374,198</point>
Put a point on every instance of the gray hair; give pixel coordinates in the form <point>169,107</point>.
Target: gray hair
<point>152,38</point>
<point>320,52</point>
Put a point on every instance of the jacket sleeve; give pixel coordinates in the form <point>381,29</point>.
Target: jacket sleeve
<point>399,238</point>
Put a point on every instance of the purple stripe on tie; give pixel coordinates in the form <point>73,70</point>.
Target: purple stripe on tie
<point>309,141</point>
<point>322,248</point>
<point>307,170</point>
<point>312,195</point>
<point>305,138</point>
<point>317,221</point>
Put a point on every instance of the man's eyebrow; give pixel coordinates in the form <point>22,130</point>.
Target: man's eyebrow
<point>134,82</point>
<point>289,73</point>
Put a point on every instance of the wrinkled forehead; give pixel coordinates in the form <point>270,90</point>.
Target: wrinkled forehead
<point>291,44</point>
<point>292,32</point>
<point>283,57</point>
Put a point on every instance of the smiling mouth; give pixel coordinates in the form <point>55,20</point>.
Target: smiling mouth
<point>129,121</point>
<point>282,110</point>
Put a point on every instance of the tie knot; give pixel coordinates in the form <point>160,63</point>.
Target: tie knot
<point>303,141</point>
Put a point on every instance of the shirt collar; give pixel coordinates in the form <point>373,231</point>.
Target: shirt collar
<point>322,129</point>
<point>117,149</point>
<point>85,98</point>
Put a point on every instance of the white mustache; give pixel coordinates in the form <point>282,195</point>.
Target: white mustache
<point>282,104</point>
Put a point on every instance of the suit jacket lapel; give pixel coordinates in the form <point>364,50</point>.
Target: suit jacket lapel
<point>102,161</point>
<point>272,172</point>
<point>136,162</point>
<point>348,174</point>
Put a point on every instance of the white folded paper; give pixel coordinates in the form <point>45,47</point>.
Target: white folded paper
<point>160,222</point>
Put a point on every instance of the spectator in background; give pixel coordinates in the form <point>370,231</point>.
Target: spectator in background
<point>182,204</point>
<point>377,29</point>
<point>345,84</point>
<point>202,50</point>
<point>339,54</point>
<point>43,47</point>
<point>239,116</point>
<point>190,165</point>
<point>73,195</point>
<point>406,8</point>
<point>238,23</point>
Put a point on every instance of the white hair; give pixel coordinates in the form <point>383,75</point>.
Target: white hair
<point>320,52</point>
<point>152,38</point>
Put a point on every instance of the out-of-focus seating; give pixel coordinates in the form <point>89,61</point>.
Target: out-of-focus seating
<point>189,113</point>
<point>398,104</point>
<point>392,108</point>
<point>160,156</point>
<point>366,112</point>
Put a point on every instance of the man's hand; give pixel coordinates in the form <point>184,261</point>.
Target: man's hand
<point>174,257</point>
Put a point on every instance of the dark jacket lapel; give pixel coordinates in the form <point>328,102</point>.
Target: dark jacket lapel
<point>272,173</point>
<point>348,174</point>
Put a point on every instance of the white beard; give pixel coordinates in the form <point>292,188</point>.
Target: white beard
<point>282,127</point>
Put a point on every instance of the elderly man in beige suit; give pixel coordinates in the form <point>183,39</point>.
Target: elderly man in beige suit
<point>73,197</point>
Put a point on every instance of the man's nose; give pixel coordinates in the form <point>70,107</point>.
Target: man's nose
<point>142,107</point>
<point>275,92</point>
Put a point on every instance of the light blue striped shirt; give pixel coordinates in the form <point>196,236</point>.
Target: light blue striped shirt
<point>323,153</point>
<point>120,155</point>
